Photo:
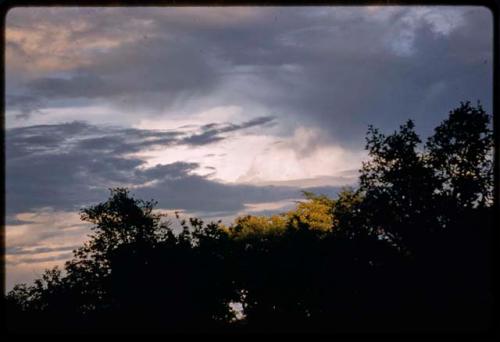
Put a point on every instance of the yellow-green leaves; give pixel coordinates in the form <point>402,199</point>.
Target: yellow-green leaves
<point>315,213</point>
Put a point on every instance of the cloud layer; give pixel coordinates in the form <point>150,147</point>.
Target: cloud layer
<point>65,166</point>
<point>339,68</point>
<point>215,111</point>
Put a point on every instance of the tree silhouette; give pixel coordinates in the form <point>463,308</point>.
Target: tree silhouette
<point>398,187</point>
<point>461,153</point>
<point>405,251</point>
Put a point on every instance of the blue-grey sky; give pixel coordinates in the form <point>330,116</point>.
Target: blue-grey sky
<point>215,112</point>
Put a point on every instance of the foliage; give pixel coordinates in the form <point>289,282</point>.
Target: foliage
<point>315,213</point>
<point>411,239</point>
<point>461,153</point>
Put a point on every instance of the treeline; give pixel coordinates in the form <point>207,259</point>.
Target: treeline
<point>407,250</point>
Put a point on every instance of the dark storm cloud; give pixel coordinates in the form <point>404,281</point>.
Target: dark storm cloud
<point>337,68</point>
<point>71,165</point>
<point>345,73</point>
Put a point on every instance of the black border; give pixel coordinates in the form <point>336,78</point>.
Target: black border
<point>493,333</point>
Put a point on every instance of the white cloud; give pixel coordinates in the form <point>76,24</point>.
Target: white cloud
<point>261,157</point>
<point>46,227</point>
<point>301,156</point>
<point>281,206</point>
<point>442,21</point>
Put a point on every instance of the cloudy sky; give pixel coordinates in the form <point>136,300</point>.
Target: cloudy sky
<point>214,112</point>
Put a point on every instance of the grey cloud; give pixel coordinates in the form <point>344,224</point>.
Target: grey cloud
<point>196,193</point>
<point>335,68</point>
<point>207,137</point>
<point>73,165</point>
<point>363,82</point>
<point>152,74</point>
<point>24,104</point>
<point>61,168</point>
<point>338,69</point>
<point>342,70</point>
<point>121,142</point>
<point>255,122</point>
<point>36,260</point>
<point>86,85</point>
<point>19,250</point>
<point>212,132</point>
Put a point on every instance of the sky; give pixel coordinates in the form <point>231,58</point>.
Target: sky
<point>214,112</point>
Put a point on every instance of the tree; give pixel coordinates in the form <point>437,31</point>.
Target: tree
<point>435,205</point>
<point>398,187</point>
<point>406,249</point>
<point>315,212</point>
<point>461,154</point>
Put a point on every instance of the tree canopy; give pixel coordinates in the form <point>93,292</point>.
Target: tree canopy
<point>405,250</point>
